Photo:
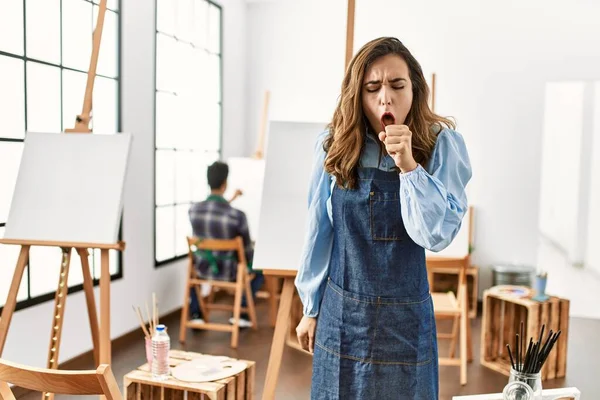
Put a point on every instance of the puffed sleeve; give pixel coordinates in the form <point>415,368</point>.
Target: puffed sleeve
<point>434,201</point>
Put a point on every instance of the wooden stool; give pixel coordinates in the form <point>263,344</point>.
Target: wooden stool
<point>444,279</point>
<point>444,268</point>
<point>140,384</point>
<point>502,316</point>
<point>455,306</point>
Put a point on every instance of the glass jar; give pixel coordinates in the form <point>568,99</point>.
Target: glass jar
<point>523,386</point>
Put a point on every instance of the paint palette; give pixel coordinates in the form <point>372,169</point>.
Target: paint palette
<point>207,369</point>
<point>512,291</point>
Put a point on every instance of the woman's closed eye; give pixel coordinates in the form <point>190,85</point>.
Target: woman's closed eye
<point>373,90</point>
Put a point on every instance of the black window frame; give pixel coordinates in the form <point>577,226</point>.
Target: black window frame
<point>160,263</point>
<point>39,299</point>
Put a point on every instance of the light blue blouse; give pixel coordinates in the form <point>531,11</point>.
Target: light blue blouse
<point>433,203</point>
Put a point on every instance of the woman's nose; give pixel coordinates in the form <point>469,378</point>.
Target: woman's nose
<point>384,97</point>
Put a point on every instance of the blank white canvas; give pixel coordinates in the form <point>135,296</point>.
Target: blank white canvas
<point>460,245</point>
<point>593,235</point>
<point>247,175</point>
<point>283,212</point>
<point>559,210</point>
<point>69,188</point>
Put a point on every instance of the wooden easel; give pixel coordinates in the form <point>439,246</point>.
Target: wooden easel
<point>259,153</point>
<point>100,335</point>
<point>271,282</point>
<point>82,121</point>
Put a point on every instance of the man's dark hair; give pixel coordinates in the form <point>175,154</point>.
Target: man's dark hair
<point>217,174</point>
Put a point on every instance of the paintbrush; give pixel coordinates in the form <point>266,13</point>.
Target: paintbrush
<point>531,361</point>
<point>142,324</point>
<point>150,320</point>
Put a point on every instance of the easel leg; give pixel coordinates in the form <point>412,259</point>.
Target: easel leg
<point>11,300</point>
<point>5,392</point>
<point>88,287</point>
<point>281,327</point>
<point>60,299</point>
<point>104,308</point>
<point>272,284</point>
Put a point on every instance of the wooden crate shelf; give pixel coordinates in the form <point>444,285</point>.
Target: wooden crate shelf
<point>138,384</point>
<point>502,316</point>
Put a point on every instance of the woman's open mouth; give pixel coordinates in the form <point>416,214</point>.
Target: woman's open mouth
<point>387,119</point>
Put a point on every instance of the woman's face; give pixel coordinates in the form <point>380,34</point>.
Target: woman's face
<point>386,89</point>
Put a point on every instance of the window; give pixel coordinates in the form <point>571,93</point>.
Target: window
<point>45,50</point>
<point>188,115</point>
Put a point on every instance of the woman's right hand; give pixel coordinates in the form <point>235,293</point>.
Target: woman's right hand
<point>306,333</point>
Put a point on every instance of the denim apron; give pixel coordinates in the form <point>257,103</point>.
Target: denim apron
<point>376,333</point>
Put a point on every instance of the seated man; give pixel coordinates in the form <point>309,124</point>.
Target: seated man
<point>214,218</point>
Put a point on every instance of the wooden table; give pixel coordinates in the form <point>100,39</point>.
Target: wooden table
<point>138,384</point>
<point>549,394</point>
<point>501,319</point>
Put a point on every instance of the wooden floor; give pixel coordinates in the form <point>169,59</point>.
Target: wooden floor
<point>583,366</point>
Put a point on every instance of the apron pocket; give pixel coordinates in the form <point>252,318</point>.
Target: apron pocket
<point>346,324</point>
<point>404,331</point>
<point>374,329</point>
<point>386,218</point>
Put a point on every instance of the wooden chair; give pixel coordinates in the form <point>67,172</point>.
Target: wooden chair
<point>455,306</point>
<point>440,264</point>
<point>241,284</point>
<point>98,382</point>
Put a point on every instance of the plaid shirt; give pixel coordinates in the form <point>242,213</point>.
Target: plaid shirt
<point>214,218</point>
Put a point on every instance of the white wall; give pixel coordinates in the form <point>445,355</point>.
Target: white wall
<point>563,208</point>
<point>492,60</point>
<point>295,49</point>
<point>140,277</point>
<point>593,236</point>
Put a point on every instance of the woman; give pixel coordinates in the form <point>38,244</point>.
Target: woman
<point>388,182</point>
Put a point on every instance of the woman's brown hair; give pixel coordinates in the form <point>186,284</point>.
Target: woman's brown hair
<point>347,128</point>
